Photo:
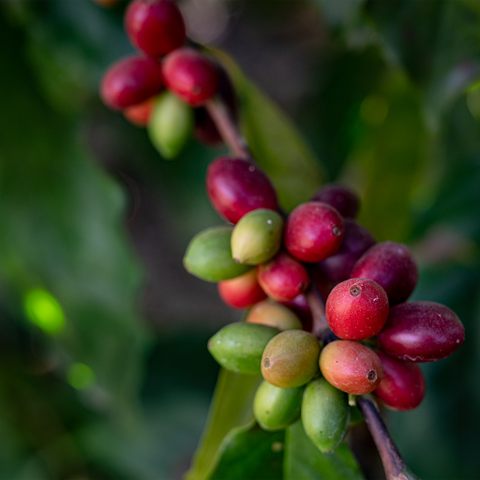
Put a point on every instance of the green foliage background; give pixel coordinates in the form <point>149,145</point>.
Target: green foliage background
<point>90,213</point>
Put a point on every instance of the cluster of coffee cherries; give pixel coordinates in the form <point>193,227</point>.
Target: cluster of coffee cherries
<point>269,263</point>
<point>165,85</point>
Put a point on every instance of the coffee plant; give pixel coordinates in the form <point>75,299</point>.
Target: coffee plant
<point>329,328</point>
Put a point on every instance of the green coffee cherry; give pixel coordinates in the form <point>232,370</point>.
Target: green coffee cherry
<point>291,359</point>
<point>257,236</point>
<point>325,414</point>
<point>276,408</point>
<point>209,256</point>
<point>170,125</point>
<point>239,346</point>
<point>273,314</point>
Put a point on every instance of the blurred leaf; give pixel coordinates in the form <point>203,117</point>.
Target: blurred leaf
<point>231,408</point>
<point>304,461</point>
<point>61,218</point>
<point>250,452</point>
<point>276,144</point>
<point>343,14</point>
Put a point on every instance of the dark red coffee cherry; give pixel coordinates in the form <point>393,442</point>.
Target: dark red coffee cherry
<point>313,231</point>
<point>236,187</point>
<point>155,27</point>
<point>336,268</point>
<point>351,367</point>
<point>357,309</point>
<point>402,386</point>
<point>344,200</point>
<point>130,81</point>
<point>300,306</point>
<point>283,278</point>
<point>190,75</point>
<point>421,332</point>
<point>140,114</point>
<point>392,266</point>
<point>243,291</point>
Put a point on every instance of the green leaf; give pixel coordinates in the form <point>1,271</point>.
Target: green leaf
<point>303,460</point>
<point>232,407</point>
<point>250,452</point>
<point>275,142</point>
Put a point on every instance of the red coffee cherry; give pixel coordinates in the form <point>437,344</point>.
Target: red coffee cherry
<point>130,81</point>
<point>357,309</point>
<point>236,187</point>
<point>392,266</point>
<point>403,384</point>
<point>344,200</point>
<point>313,232</point>
<point>243,291</point>
<point>155,27</point>
<point>283,278</point>
<point>351,367</point>
<point>140,114</point>
<point>421,332</point>
<point>190,75</point>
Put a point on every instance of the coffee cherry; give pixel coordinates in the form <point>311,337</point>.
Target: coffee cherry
<point>344,200</point>
<point>313,232</point>
<point>170,126</point>
<point>239,346</point>
<point>282,278</point>
<point>392,266</point>
<point>337,268</point>
<point>155,26</point>
<point>357,309</point>
<point>299,305</point>
<point>236,187</point>
<point>209,256</point>
<point>205,130</point>
<point>421,332</point>
<point>243,291</point>
<point>257,236</point>
<point>130,81</point>
<point>290,359</point>
<point>325,414</point>
<point>140,114</point>
<point>402,386</point>
<point>276,408</point>
<point>275,315</point>
<point>190,75</point>
<point>351,367</point>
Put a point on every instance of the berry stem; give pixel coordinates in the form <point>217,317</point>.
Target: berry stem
<point>393,463</point>
<point>227,128</point>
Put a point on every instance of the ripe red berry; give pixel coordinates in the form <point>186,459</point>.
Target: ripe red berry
<point>392,266</point>
<point>357,309</point>
<point>351,367</point>
<point>190,75</point>
<point>236,187</point>
<point>421,332</point>
<point>402,386</point>
<point>155,26</point>
<point>283,278</point>
<point>130,81</point>
<point>243,291</point>
<point>313,231</point>
<point>344,200</point>
<point>140,114</point>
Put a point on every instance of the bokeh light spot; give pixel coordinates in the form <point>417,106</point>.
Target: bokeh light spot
<point>44,311</point>
<point>80,376</point>
<point>374,110</point>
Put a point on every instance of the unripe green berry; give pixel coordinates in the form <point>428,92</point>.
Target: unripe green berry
<point>290,359</point>
<point>170,125</point>
<point>276,408</point>
<point>325,414</point>
<point>239,346</point>
<point>257,236</point>
<point>273,314</point>
<point>209,256</point>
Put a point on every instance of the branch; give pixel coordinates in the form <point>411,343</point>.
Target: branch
<point>393,463</point>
